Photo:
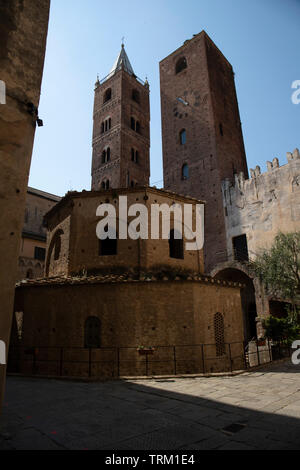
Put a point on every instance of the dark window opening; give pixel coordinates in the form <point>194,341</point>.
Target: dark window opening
<point>185,171</point>
<point>103,185</point>
<point>29,274</point>
<point>221,129</point>
<point>107,95</point>
<point>136,96</point>
<point>175,246</point>
<point>109,123</point>
<point>107,184</point>
<point>57,247</point>
<point>92,330</point>
<point>134,155</point>
<point>182,137</point>
<point>102,127</point>
<point>103,159</point>
<point>39,253</point>
<point>181,64</point>
<point>108,154</point>
<point>219,334</point>
<point>135,125</point>
<point>108,247</point>
<point>240,248</point>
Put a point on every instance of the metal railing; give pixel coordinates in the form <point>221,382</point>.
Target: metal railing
<point>131,361</point>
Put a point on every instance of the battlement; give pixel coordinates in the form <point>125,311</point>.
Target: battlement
<point>271,166</point>
<point>264,204</point>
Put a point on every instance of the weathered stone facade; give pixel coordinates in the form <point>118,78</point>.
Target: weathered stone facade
<point>198,97</point>
<point>23,32</point>
<point>161,313</point>
<point>34,233</point>
<point>72,227</point>
<point>263,205</point>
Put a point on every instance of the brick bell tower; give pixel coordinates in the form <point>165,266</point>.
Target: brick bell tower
<point>121,132</point>
<point>201,132</point>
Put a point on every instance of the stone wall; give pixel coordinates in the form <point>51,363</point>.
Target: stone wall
<point>75,218</point>
<point>23,32</point>
<point>263,205</point>
<point>131,313</point>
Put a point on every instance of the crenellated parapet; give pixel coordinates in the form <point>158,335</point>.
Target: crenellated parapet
<point>264,204</point>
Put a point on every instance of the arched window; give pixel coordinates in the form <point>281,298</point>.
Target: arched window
<point>136,96</point>
<point>92,332</point>
<point>182,137</point>
<point>107,247</point>
<point>102,127</point>
<point>185,171</point>
<point>103,158</point>
<point>181,64</point>
<point>175,245</point>
<point>107,95</point>
<point>219,334</point>
<point>109,123</point>
<point>134,155</point>
<point>57,248</point>
<point>108,154</point>
<point>107,184</point>
<point>103,185</point>
<point>29,274</point>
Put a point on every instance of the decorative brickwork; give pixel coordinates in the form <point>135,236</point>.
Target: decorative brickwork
<point>201,131</point>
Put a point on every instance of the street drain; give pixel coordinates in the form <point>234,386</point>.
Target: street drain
<point>233,428</point>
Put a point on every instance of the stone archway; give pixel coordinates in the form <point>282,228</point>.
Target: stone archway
<point>253,301</point>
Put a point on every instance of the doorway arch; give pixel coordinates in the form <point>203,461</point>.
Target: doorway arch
<point>238,273</point>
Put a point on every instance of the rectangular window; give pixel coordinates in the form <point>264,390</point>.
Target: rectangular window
<point>39,253</point>
<point>240,248</point>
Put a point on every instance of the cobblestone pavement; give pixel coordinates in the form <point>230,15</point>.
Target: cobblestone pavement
<point>254,410</point>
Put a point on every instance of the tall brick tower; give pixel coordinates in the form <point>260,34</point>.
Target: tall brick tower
<point>201,132</point>
<point>121,133</point>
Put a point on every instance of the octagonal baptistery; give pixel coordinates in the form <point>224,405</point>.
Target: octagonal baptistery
<point>74,248</point>
<point>132,307</point>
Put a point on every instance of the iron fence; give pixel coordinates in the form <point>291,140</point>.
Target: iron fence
<point>134,361</point>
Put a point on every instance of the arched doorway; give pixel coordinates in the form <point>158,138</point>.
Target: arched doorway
<point>232,274</point>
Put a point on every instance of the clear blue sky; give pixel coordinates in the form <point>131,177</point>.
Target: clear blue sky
<point>260,38</point>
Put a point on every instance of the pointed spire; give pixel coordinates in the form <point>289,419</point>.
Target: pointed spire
<point>122,62</point>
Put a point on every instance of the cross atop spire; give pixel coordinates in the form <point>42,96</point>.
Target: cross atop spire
<point>122,62</point>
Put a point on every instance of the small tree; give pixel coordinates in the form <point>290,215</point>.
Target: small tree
<point>281,329</point>
<point>279,269</point>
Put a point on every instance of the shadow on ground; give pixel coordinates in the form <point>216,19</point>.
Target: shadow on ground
<point>255,410</point>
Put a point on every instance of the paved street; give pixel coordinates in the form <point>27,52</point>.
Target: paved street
<point>255,410</point>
